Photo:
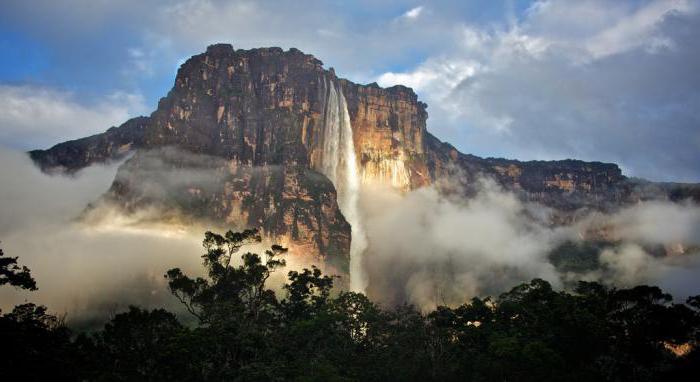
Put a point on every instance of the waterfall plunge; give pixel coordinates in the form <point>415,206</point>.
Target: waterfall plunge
<point>339,164</point>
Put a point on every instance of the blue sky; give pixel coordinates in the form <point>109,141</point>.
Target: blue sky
<point>589,79</point>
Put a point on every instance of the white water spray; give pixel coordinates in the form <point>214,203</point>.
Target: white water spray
<point>339,164</point>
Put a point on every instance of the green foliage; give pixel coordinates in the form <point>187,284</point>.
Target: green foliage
<point>246,333</point>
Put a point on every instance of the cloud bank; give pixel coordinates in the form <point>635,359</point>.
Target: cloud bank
<point>37,117</point>
<point>428,248</point>
<point>597,80</point>
<point>91,263</point>
<point>85,271</point>
<point>592,80</point>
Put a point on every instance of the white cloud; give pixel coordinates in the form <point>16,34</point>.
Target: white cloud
<point>641,223</point>
<point>139,62</point>
<point>591,80</point>
<point>413,13</point>
<point>438,75</point>
<point>429,249</point>
<point>356,47</point>
<point>86,271</point>
<point>629,264</point>
<point>600,28</point>
<point>638,29</point>
<point>36,117</point>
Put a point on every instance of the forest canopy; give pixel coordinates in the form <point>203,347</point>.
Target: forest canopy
<point>244,330</point>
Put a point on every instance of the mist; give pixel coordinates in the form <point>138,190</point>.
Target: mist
<point>83,271</point>
<point>656,242</point>
<point>430,248</point>
<point>91,258</point>
<point>425,247</point>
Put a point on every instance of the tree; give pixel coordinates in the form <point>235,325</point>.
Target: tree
<point>238,314</point>
<point>529,333</point>
<point>143,345</point>
<point>13,274</point>
<point>229,292</point>
<point>34,345</point>
<point>307,293</point>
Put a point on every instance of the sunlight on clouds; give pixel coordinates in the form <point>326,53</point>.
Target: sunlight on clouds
<point>85,269</point>
<point>436,75</point>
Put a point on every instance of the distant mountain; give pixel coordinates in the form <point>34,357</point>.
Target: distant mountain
<point>269,138</point>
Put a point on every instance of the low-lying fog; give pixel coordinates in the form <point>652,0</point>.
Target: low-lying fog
<point>424,248</point>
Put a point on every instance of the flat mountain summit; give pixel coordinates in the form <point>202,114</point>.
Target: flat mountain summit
<point>270,139</point>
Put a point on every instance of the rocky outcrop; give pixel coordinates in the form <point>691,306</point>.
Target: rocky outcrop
<point>257,121</point>
<point>113,144</point>
<point>565,185</point>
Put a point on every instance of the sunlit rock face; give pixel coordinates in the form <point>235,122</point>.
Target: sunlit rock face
<point>267,120</point>
<point>292,205</point>
<point>389,126</point>
<point>288,144</point>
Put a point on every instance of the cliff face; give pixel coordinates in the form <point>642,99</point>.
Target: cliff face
<point>293,204</point>
<point>264,134</point>
<point>262,107</point>
<point>113,144</point>
<point>389,127</point>
<point>564,185</point>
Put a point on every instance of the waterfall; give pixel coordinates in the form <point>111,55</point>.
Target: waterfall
<point>339,164</point>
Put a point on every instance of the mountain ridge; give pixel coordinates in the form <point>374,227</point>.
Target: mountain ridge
<point>279,111</point>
